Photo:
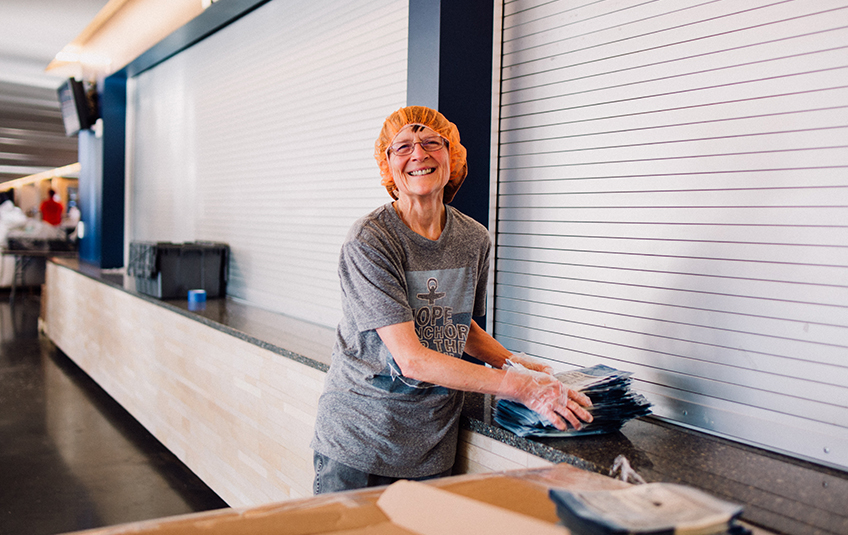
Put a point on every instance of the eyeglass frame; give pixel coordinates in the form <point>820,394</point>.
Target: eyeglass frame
<point>444,143</point>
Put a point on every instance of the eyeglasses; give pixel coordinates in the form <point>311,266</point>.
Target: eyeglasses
<point>429,145</point>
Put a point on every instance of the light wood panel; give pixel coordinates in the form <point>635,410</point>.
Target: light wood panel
<point>239,416</point>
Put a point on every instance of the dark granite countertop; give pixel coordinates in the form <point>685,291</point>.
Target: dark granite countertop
<point>780,493</point>
<point>305,342</point>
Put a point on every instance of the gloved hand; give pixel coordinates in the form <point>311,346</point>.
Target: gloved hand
<point>546,395</point>
<point>530,363</point>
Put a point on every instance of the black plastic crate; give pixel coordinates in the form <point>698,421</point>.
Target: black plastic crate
<point>169,270</point>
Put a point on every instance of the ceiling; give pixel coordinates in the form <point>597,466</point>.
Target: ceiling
<point>32,32</point>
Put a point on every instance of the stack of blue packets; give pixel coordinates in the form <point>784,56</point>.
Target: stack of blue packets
<point>613,404</point>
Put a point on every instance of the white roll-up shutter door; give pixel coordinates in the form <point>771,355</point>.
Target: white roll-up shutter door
<point>262,136</point>
<point>673,200</point>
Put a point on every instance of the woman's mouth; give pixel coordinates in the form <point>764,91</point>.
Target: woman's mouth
<point>422,172</point>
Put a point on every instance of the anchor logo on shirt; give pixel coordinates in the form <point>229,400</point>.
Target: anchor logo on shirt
<point>434,324</point>
<point>432,295</point>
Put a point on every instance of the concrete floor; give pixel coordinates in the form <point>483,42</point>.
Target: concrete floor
<point>70,457</point>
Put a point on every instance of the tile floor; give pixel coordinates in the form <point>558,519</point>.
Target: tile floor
<point>70,457</point>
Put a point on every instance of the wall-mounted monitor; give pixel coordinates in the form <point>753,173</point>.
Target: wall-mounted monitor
<point>79,107</point>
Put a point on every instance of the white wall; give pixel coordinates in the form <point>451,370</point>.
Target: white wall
<point>261,136</point>
<point>673,201</point>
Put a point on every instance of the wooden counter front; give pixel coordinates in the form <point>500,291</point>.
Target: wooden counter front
<point>225,394</point>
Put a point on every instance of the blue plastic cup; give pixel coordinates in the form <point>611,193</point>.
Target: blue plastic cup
<point>196,299</point>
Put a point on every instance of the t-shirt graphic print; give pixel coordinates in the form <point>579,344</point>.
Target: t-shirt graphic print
<point>442,311</point>
<point>441,308</point>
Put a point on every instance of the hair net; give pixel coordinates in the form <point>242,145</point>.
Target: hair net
<point>432,119</point>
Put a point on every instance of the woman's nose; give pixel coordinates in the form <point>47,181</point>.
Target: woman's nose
<point>418,151</point>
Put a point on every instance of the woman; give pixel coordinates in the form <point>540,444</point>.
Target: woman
<point>413,272</point>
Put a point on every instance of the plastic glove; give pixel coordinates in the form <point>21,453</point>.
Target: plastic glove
<point>530,363</point>
<point>546,395</point>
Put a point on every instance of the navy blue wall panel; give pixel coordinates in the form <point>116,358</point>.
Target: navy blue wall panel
<point>450,69</point>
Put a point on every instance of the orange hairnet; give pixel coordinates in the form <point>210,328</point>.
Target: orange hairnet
<point>431,119</point>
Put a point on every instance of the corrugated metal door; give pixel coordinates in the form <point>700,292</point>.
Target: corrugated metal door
<point>673,200</point>
<point>262,136</point>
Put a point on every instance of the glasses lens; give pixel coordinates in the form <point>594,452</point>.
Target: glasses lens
<point>402,149</point>
<point>432,145</point>
<point>429,145</point>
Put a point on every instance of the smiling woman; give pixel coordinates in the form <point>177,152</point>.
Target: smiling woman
<point>421,116</point>
<point>413,274</point>
<point>423,164</point>
<point>420,166</point>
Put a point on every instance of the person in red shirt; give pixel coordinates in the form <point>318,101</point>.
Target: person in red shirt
<point>51,210</point>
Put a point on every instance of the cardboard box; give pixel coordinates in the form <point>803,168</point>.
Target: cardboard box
<point>488,504</point>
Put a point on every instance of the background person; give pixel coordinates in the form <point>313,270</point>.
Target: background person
<point>51,209</point>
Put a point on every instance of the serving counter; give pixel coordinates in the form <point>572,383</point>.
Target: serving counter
<point>232,391</point>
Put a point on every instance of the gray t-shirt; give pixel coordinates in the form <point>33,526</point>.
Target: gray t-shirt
<point>370,416</point>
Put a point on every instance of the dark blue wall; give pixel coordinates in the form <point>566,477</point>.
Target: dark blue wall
<point>114,113</point>
<point>101,181</point>
<point>450,69</point>
<point>90,195</point>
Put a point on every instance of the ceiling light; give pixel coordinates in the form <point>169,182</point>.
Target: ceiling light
<point>71,171</point>
<point>69,54</point>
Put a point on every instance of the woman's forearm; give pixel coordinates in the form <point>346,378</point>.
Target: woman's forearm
<point>423,364</point>
<point>483,346</point>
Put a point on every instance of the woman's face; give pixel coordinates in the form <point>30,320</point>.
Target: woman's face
<point>420,173</point>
